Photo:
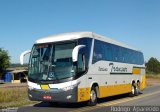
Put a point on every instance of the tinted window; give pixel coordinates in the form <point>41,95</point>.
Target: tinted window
<point>88,43</point>
<point>98,53</point>
<point>110,52</point>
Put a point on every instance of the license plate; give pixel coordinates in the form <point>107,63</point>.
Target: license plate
<point>47,97</point>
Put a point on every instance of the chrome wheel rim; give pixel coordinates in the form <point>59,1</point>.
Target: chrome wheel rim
<point>133,90</point>
<point>93,96</point>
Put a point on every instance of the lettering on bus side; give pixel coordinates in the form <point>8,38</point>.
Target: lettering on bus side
<point>116,69</point>
<point>102,69</point>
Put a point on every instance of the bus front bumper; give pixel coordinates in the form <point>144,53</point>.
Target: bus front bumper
<point>52,95</point>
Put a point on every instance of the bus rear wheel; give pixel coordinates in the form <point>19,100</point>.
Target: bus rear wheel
<point>138,88</point>
<point>134,91</point>
<point>93,97</point>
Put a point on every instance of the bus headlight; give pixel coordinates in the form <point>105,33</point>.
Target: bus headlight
<point>68,88</point>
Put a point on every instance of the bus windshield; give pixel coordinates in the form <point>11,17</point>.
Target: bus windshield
<point>51,62</point>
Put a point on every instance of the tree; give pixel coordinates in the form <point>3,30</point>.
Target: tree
<point>153,65</point>
<point>4,61</point>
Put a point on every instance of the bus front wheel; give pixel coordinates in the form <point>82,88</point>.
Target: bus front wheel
<point>93,97</point>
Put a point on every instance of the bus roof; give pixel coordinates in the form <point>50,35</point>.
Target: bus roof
<point>77,35</point>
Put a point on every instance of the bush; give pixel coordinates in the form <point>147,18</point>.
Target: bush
<point>4,61</point>
<point>153,66</point>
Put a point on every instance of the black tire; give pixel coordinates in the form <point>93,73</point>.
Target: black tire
<point>138,88</point>
<point>93,97</point>
<point>134,91</point>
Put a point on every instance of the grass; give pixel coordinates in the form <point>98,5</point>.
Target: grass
<point>153,76</point>
<point>14,97</point>
<point>153,79</point>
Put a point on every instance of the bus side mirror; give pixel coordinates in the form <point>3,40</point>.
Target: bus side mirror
<point>75,52</point>
<point>22,56</point>
<point>81,63</point>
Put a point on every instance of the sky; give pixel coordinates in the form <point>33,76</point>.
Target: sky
<point>132,22</point>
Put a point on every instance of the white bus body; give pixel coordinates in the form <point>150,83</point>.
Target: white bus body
<point>83,66</point>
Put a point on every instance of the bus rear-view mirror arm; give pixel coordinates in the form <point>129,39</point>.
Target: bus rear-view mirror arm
<point>22,56</point>
<point>75,52</point>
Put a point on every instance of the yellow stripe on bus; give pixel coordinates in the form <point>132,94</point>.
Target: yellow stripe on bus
<point>143,83</point>
<point>112,90</point>
<point>104,91</point>
<point>83,94</point>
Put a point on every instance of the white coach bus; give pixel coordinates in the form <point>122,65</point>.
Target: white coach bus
<point>83,66</point>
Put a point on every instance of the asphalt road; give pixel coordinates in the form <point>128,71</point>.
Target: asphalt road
<point>150,97</point>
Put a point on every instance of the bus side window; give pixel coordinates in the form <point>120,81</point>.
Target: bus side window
<point>98,53</point>
<point>108,52</point>
<point>115,53</point>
